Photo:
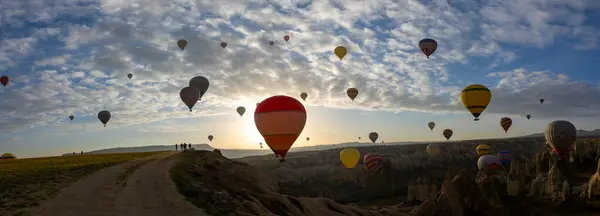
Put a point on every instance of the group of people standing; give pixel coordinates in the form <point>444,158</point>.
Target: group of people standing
<point>183,146</point>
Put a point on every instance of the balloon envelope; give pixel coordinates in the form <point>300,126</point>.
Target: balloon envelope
<point>182,44</point>
<point>129,75</point>
<point>340,52</point>
<point>352,93</point>
<point>447,133</point>
<point>4,80</point>
<point>201,83</point>
<point>189,96</point>
<point>373,136</point>
<point>286,38</point>
<point>210,137</point>
<point>104,116</point>
<point>349,157</point>
<point>428,46</point>
<point>489,162</point>
<point>476,98</point>
<point>71,117</point>
<point>433,150</point>
<point>505,123</point>
<point>241,110</point>
<point>304,95</point>
<point>528,117</point>
<point>280,120</point>
<point>271,43</point>
<point>373,161</point>
<point>482,149</point>
<point>431,125</point>
<point>560,135</point>
<point>223,45</point>
<point>505,158</point>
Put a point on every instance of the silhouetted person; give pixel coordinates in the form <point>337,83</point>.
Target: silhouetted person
<point>181,146</point>
<point>176,149</point>
<point>190,145</point>
<point>184,146</point>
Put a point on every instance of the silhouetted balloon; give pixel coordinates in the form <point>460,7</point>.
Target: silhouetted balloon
<point>505,123</point>
<point>210,138</point>
<point>223,45</point>
<point>304,95</point>
<point>352,93</point>
<point>340,52</point>
<point>4,80</point>
<point>129,75</point>
<point>71,117</point>
<point>286,38</point>
<point>104,116</point>
<point>431,125</point>
<point>307,138</point>
<point>428,46</point>
<point>241,110</point>
<point>447,133</point>
<point>182,44</point>
<point>271,43</point>
<point>528,117</point>
<point>373,136</point>
<point>201,83</point>
<point>542,100</point>
<point>189,95</point>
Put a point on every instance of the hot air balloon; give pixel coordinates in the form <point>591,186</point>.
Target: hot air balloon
<point>528,117</point>
<point>129,75</point>
<point>71,117</point>
<point>373,162</point>
<point>505,122</point>
<point>349,157</point>
<point>104,116</point>
<point>307,139</point>
<point>476,97</point>
<point>373,136</point>
<point>433,150</point>
<point>489,163</point>
<point>482,149</point>
<point>189,96</point>
<point>560,135</point>
<point>505,158</point>
<point>286,38</point>
<point>223,45</point>
<point>359,138</point>
<point>542,100</point>
<point>200,83</point>
<point>7,156</point>
<point>280,120</point>
<point>304,95</point>
<point>241,110</point>
<point>431,125</point>
<point>182,44</point>
<point>428,46</point>
<point>260,144</point>
<point>447,133</point>
<point>4,80</point>
<point>340,52</point>
<point>210,138</point>
<point>271,43</point>
<point>352,93</point>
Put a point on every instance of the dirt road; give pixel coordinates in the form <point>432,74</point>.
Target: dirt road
<point>141,187</point>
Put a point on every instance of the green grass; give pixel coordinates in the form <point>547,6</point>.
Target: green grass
<point>25,182</point>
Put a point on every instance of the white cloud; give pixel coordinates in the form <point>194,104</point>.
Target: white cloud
<point>139,37</point>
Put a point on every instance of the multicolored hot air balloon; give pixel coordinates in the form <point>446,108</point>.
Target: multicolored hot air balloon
<point>505,158</point>
<point>528,117</point>
<point>280,120</point>
<point>304,95</point>
<point>241,110</point>
<point>200,83</point>
<point>542,100</point>
<point>210,138</point>
<point>349,157</point>
<point>428,46</point>
<point>4,80</point>
<point>286,38</point>
<point>352,93</point>
<point>340,52</point>
<point>104,116</point>
<point>561,135</point>
<point>182,44</point>
<point>129,75</point>
<point>223,45</point>
<point>433,150</point>
<point>271,43</point>
<point>482,149</point>
<point>447,133</point>
<point>475,98</point>
<point>373,162</point>
<point>431,125</point>
<point>505,123</point>
<point>489,163</point>
<point>71,117</point>
<point>373,136</point>
<point>189,95</point>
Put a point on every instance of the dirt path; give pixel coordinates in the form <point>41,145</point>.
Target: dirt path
<point>141,187</point>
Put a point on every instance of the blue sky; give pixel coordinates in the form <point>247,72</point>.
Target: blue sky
<point>72,57</point>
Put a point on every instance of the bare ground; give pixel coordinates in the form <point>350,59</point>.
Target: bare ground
<point>140,187</point>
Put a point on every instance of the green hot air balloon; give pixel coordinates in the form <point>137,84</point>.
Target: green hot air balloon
<point>182,44</point>
<point>189,96</point>
<point>104,116</point>
<point>201,83</point>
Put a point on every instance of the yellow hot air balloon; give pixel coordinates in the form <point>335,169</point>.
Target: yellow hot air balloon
<point>340,52</point>
<point>349,157</point>
<point>483,149</point>
<point>476,98</point>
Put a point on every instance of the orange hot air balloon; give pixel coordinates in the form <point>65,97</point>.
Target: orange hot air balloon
<point>280,120</point>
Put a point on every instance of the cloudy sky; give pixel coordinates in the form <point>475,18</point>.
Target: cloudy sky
<point>72,57</point>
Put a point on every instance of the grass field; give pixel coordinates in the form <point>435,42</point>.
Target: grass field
<point>25,182</point>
